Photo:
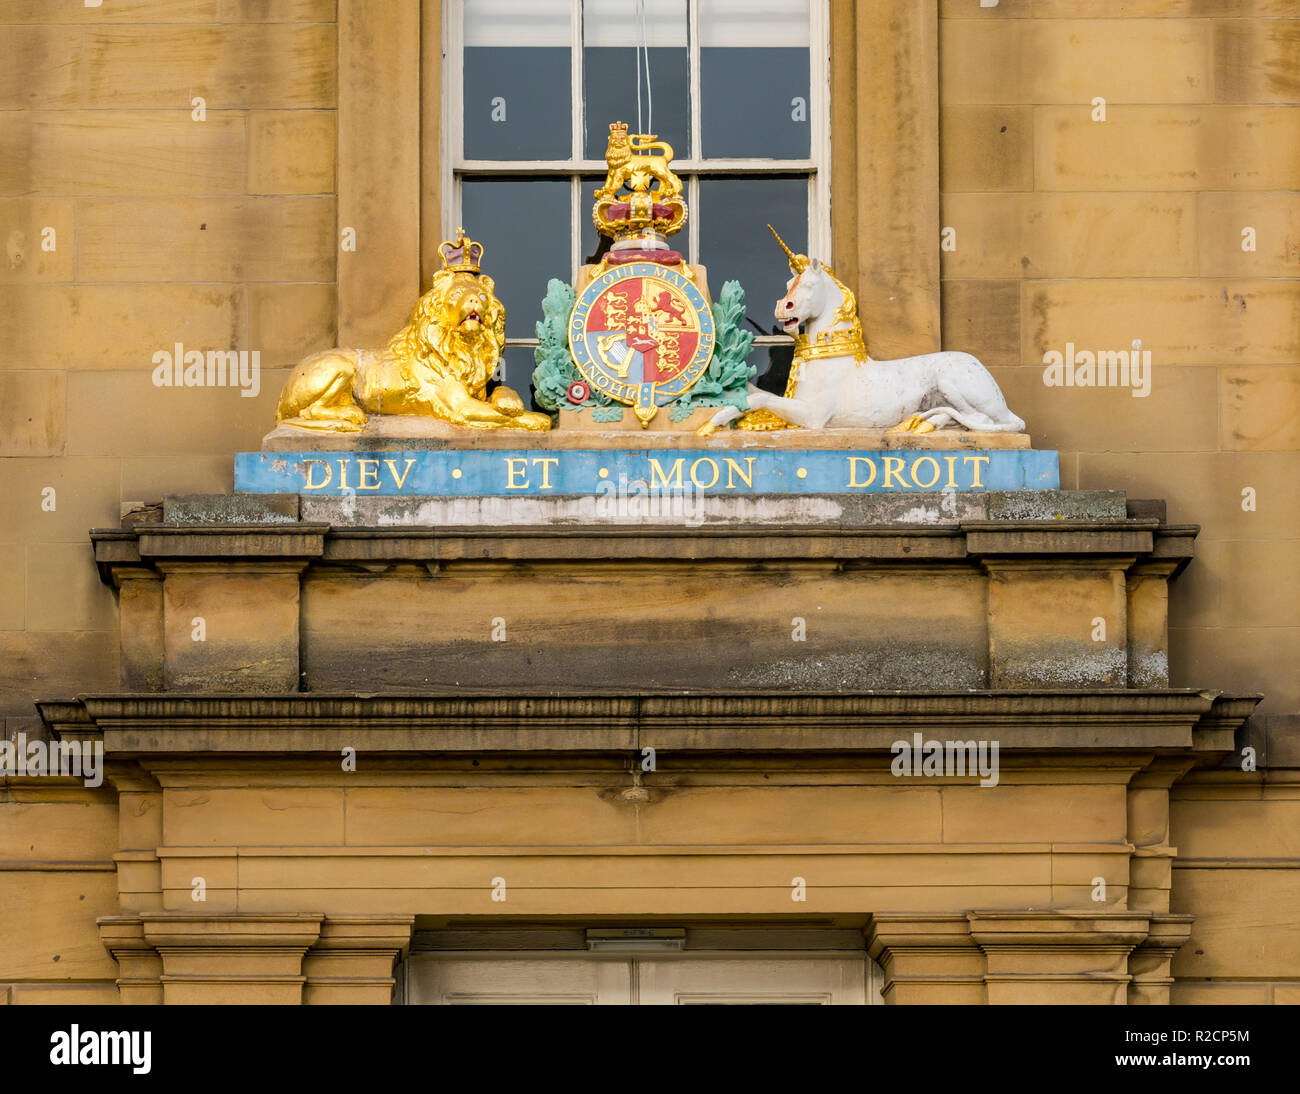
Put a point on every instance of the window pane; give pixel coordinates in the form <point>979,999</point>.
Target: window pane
<point>610,32</point>
<point>524,228</point>
<point>518,82</point>
<point>772,364</point>
<point>590,238</point>
<point>518,372</point>
<point>736,246</point>
<point>754,82</point>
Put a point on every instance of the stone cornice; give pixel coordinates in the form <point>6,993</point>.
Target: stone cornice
<point>783,722</point>
<point>124,552</point>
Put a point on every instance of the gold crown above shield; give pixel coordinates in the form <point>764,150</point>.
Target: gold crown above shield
<point>461,254</point>
<point>638,163</point>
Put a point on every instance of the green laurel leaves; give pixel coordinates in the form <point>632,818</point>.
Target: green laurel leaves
<point>723,383</point>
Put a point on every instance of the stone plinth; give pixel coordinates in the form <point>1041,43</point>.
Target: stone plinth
<point>398,431</point>
<point>866,592</point>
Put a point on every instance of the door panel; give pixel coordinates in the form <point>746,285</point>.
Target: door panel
<point>752,979</point>
<point>586,979</point>
<point>479,981</point>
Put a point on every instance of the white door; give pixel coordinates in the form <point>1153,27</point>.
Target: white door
<point>450,979</point>
<point>752,979</point>
<point>471,980</point>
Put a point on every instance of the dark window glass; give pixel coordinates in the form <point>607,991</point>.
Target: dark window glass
<point>518,371</point>
<point>518,62</point>
<point>610,33</point>
<point>508,115</point>
<point>754,103</point>
<point>736,246</point>
<point>754,65</point>
<point>592,240</point>
<point>523,225</point>
<point>609,76</point>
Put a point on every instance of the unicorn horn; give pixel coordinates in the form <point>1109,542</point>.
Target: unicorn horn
<point>798,263</point>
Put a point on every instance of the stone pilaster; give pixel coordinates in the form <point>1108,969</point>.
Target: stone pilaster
<point>139,980</point>
<point>352,960</point>
<point>240,959</point>
<point>926,958</point>
<point>1149,963</point>
<point>1058,956</point>
<point>1151,864</point>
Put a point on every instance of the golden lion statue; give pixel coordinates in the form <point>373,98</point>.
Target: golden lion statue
<point>636,161</point>
<point>437,366</point>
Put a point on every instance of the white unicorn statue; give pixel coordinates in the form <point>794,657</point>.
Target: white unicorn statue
<point>834,384</point>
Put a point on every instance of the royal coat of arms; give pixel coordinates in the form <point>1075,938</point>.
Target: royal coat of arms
<point>642,334</point>
<point>640,331</point>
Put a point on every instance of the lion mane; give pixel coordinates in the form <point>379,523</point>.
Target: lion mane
<point>432,346</point>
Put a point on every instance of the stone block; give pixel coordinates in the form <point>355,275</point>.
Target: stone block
<point>230,509</point>
<point>1042,622</point>
<point>37,233</point>
<point>1048,235</point>
<point>1254,60</point>
<point>127,152</point>
<point>1258,408</point>
<point>248,621</point>
<point>1178,412</point>
<point>64,592</point>
<point>1221,219</point>
<point>1183,322</point>
<point>986,148</point>
<point>282,238</point>
<point>179,422</point>
<point>115,326</point>
<point>1166,148</point>
<point>292,151</point>
<point>32,410</point>
<point>983,317</point>
<point>1073,60</point>
<point>233,66</point>
<point>287,322</point>
<point>41,663</point>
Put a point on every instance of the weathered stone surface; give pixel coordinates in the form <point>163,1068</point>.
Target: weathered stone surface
<point>826,510</point>
<point>398,431</point>
<point>230,509</point>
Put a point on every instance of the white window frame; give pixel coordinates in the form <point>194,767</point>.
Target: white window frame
<point>817,167</point>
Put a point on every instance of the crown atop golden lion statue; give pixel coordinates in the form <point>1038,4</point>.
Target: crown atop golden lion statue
<point>461,255</point>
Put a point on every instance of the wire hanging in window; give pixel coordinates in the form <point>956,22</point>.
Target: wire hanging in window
<point>643,56</point>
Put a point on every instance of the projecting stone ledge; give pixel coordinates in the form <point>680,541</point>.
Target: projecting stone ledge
<point>386,433</point>
<point>697,510</point>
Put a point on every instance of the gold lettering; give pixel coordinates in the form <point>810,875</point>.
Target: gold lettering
<point>916,478</point>
<point>365,472</point>
<point>746,475</point>
<point>514,472</point>
<point>853,470</point>
<point>343,474</point>
<point>676,470</point>
<point>405,471</point>
<point>545,461</point>
<point>329,474</point>
<point>713,481</point>
<point>894,466</point>
<point>951,461</point>
<point>975,484</point>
